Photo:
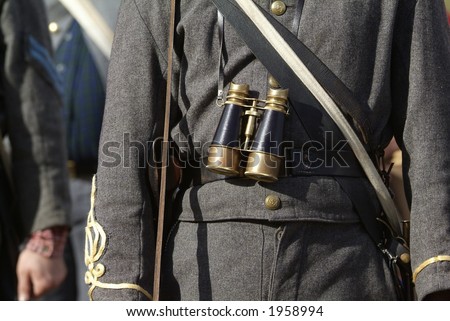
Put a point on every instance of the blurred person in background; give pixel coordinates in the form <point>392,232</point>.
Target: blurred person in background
<point>82,66</point>
<point>34,197</point>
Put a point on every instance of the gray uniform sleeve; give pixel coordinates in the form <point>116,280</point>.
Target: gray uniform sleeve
<point>34,117</point>
<point>421,115</point>
<point>132,119</point>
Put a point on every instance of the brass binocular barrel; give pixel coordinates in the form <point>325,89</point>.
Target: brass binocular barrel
<point>224,152</point>
<point>248,139</point>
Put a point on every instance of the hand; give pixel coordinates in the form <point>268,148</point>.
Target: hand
<point>37,274</point>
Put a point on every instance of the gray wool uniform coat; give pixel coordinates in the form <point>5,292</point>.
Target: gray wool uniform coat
<point>226,245</point>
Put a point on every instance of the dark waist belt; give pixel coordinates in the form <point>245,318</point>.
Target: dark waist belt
<point>312,163</point>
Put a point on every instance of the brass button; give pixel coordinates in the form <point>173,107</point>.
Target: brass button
<point>278,8</point>
<point>53,27</point>
<point>273,83</point>
<point>272,202</point>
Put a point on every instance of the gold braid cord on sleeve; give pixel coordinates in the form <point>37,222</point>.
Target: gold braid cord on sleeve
<point>95,245</point>
<point>423,265</point>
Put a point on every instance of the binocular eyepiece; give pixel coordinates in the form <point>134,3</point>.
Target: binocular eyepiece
<point>248,138</point>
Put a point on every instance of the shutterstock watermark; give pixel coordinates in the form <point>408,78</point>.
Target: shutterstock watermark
<point>130,153</point>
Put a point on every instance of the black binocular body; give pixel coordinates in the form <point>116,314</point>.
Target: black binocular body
<point>249,136</point>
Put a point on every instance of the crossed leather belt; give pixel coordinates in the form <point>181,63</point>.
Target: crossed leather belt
<point>314,163</point>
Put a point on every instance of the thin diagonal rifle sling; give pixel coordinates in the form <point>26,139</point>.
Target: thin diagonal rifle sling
<point>165,163</point>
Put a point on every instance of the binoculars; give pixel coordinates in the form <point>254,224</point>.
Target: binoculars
<point>247,142</point>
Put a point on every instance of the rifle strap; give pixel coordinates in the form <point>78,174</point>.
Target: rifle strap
<point>165,163</point>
